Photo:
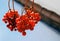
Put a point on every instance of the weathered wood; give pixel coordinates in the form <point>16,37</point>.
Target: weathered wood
<point>48,17</point>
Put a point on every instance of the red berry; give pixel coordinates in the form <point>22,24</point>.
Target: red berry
<point>10,27</point>
<point>23,33</point>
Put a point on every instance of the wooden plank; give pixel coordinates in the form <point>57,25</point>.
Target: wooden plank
<point>48,17</point>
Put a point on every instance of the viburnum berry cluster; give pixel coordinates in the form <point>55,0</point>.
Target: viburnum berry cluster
<point>10,18</point>
<point>21,23</point>
<point>27,21</point>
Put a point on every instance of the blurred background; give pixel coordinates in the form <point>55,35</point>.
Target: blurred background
<point>42,32</point>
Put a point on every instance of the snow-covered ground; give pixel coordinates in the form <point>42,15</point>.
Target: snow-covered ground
<point>53,5</point>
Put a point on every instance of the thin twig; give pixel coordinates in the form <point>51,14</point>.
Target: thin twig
<point>9,4</point>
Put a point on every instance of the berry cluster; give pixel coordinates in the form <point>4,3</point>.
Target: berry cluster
<point>27,21</point>
<point>21,23</point>
<point>10,18</point>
